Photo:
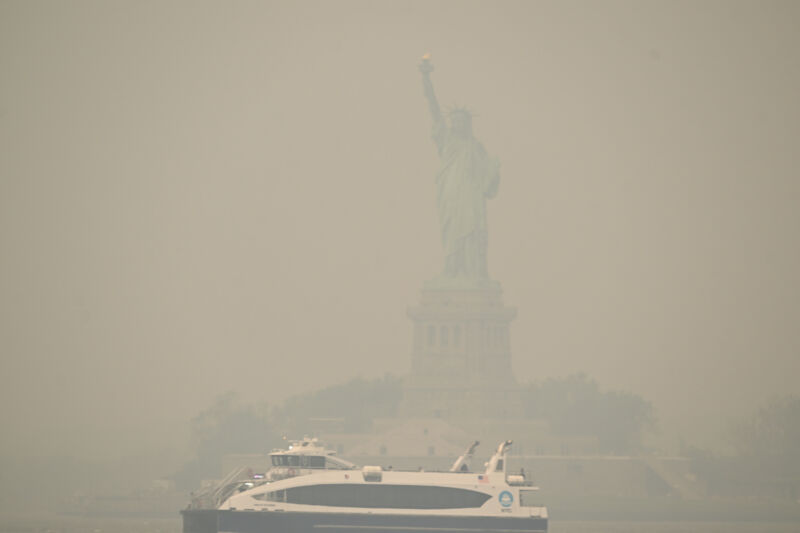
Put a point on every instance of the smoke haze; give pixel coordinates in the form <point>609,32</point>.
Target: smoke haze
<point>204,197</point>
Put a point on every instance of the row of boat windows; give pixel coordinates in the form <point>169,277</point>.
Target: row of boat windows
<point>301,461</point>
<point>379,496</point>
<point>495,336</point>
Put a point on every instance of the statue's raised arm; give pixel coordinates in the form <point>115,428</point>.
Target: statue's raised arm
<point>439,126</point>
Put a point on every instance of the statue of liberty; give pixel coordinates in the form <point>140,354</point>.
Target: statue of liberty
<point>467,176</point>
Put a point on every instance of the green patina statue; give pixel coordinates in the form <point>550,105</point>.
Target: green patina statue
<point>467,176</point>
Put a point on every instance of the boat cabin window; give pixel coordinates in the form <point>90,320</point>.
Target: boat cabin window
<point>302,461</point>
<point>285,460</point>
<point>312,461</point>
<point>379,496</point>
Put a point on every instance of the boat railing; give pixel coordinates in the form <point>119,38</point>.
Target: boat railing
<point>211,497</point>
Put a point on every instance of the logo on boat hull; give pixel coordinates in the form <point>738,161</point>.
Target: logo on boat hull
<point>506,498</point>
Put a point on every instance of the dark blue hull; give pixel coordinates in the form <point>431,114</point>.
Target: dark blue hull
<point>211,521</point>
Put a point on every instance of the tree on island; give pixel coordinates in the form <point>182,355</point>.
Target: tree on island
<point>773,431</point>
<point>357,402</point>
<point>575,406</point>
<point>763,456</point>
<point>227,426</point>
<point>230,427</point>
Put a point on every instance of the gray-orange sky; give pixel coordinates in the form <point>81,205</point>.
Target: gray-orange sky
<point>197,197</point>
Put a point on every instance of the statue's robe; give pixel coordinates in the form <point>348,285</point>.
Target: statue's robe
<point>466,178</point>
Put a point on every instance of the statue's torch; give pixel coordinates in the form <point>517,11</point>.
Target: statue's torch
<point>426,67</point>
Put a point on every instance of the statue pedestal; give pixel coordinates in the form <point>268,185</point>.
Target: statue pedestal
<point>461,361</point>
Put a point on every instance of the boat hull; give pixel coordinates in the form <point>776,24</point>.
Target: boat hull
<point>200,520</point>
<point>213,521</point>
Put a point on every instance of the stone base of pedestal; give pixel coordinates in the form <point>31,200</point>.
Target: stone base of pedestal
<point>461,361</point>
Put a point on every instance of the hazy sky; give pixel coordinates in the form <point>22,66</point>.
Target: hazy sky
<point>199,197</point>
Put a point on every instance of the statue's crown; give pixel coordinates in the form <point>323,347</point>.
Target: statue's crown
<point>459,110</point>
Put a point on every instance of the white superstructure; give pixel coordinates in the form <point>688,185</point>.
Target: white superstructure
<point>312,488</point>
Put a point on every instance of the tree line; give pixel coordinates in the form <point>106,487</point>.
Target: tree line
<point>573,406</point>
<point>762,460</point>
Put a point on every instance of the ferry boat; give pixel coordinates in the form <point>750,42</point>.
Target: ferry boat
<point>310,490</point>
